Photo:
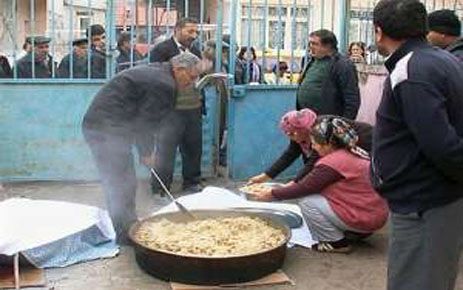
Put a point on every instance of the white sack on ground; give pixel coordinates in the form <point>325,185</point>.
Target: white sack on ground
<point>55,233</point>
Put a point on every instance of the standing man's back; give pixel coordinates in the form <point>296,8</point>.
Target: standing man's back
<point>417,163</point>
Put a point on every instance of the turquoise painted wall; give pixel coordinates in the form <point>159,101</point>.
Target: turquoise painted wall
<point>40,131</point>
<point>255,140</point>
<point>41,137</point>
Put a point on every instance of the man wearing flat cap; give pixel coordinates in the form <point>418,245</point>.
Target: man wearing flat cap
<point>79,61</point>
<point>445,31</point>
<point>38,63</point>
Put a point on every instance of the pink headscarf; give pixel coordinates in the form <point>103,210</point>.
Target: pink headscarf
<point>295,121</point>
<point>298,121</point>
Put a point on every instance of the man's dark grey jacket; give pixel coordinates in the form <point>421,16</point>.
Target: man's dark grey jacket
<point>132,103</point>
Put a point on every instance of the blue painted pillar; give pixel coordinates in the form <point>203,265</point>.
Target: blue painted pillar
<point>218,36</point>
<point>343,27</point>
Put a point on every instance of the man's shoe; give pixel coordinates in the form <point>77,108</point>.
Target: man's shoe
<point>193,188</point>
<point>124,240</point>
<point>156,187</point>
<point>342,246</point>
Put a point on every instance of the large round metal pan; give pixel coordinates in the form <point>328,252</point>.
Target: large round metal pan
<point>209,270</point>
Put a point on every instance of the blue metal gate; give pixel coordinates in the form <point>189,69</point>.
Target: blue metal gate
<point>40,119</point>
<point>40,129</point>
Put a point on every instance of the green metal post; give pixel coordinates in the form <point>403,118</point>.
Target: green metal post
<point>232,25</point>
<point>71,37</point>
<point>201,21</point>
<point>53,32</point>
<point>15,34</point>
<point>280,35</point>
<point>89,51</point>
<point>322,14</point>
<point>343,27</point>
<point>293,37</point>
<point>264,34</point>
<point>218,37</point>
<point>150,26</point>
<point>111,38</point>
<point>32,25</point>
<point>167,18</point>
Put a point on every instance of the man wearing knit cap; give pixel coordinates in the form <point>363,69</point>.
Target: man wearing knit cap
<point>445,31</point>
<point>79,59</point>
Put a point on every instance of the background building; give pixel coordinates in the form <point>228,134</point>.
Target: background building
<point>276,28</point>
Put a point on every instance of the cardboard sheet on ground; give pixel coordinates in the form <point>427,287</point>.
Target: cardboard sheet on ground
<point>276,278</point>
<point>28,277</point>
<point>55,233</point>
<point>219,198</point>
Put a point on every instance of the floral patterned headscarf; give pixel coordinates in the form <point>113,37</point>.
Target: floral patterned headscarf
<point>335,131</point>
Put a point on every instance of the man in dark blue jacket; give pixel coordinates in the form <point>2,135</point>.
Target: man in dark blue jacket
<point>417,163</point>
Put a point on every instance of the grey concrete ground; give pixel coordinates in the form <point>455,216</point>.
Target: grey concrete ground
<point>363,269</point>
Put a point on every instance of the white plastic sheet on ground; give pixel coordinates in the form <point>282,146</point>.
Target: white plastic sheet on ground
<point>219,198</point>
<point>55,233</point>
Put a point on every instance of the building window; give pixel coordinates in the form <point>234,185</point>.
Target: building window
<point>256,30</point>
<point>302,34</point>
<point>301,12</point>
<point>84,22</point>
<point>256,23</point>
<point>361,26</point>
<point>277,28</point>
<point>273,12</point>
<point>277,34</point>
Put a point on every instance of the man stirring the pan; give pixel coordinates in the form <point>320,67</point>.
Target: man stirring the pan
<point>125,112</point>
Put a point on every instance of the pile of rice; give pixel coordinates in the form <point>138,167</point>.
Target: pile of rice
<point>212,237</point>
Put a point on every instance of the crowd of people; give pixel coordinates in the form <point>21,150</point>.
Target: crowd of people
<point>88,59</point>
<point>408,169</point>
